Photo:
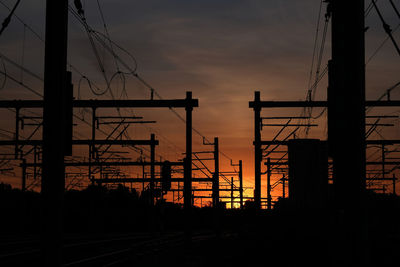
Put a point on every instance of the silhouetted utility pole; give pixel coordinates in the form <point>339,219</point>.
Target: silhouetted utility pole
<point>55,63</point>
<point>269,198</point>
<point>215,184</point>
<point>16,148</point>
<point>346,101</point>
<point>92,147</point>
<point>232,193</point>
<point>346,119</point>
<point>188,166</point>
<point>383,161</point>
<point>152,168</point>
<point>187,190</point>
<point>257,150</point>
<point>68,98</point>
<point>241,183</point>
<point>23,185</point>
<point>283,186</point>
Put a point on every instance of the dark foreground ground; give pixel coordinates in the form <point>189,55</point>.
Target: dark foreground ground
<point>117,229</point>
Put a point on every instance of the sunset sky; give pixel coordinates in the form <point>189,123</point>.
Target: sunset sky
<point>221,50</point>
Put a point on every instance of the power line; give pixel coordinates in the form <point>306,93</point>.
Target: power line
<point>21,83</point>
<point>132,71</point>
<point>7,20</point>
<point>395,8</point>
<point>368,9</point>
<point>386,27</point>
<point>315,45</point>
<point>381,45</point>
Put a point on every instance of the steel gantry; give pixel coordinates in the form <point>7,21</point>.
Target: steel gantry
<point>257,105</point>
<point>57,143</point>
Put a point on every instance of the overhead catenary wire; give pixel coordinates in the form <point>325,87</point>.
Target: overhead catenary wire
<point>381,45</point>
<point>32,90</point>
<point>312,91</point>
<point>395,8</point>
<point>3,84</point>
<point>386,27</point>
<point>319,77</point>
<point>7,20</point>
<point>369,8</point>
<point>310,97</point>
<point>91,84</point>
<point>132,71</point>
<point>113,53</point>
<point>315,46</point>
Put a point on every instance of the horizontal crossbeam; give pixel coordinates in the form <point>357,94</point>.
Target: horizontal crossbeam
<point>175,103</point>
<point>81,142</point>
<point>321,104</point>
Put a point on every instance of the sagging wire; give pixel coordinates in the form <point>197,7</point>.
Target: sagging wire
<point>99,37</point>
<point>133,71</point>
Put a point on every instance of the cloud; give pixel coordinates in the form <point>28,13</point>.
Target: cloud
<point>221,50</point>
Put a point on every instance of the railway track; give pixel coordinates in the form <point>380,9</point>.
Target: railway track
<point>116,250</point>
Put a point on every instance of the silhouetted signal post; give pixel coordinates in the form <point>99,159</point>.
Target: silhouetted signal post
<point>240,175</point>
<point>54,130</point>
<point>215,175</point>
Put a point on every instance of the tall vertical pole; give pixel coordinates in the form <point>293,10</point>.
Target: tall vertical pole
<point>92,146</point>
<point>23,186</point>
<point>215,184</point>
<point>143,176</point>
<point>16,132</point>
<point>179,195</point>
<point>68,98</point>
<point>346,125</point>
<point>53,180</point>
<point>257,150</point>
<point>187,183</point>
<point>269,205</point>
<point>232,206</point>
<point>346,101</point>
<point>188,164</point>
<point>241,183</point>
<point>283,186</point>
<point>34,162</point>
<point>383,161</point>
<point>152,168</point>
